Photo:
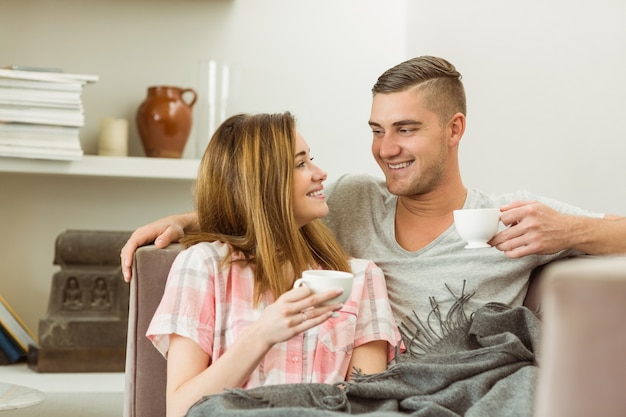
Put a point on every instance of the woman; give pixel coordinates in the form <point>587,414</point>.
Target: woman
<point>229,316</point>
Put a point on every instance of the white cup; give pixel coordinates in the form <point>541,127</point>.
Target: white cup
<point>477,226</point>
<point>321,280</point>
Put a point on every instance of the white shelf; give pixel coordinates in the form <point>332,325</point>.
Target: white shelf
<point>20,374</point>
<point>107,166</point>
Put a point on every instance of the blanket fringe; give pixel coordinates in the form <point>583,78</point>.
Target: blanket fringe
<point>421,338</point>
<point>391,372</point>
<point>338,402</point>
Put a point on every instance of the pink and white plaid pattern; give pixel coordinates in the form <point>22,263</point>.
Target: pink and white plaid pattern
<point>212,306</point>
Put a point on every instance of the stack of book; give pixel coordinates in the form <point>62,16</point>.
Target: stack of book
<point>15,337</point>
<point>41,113</point>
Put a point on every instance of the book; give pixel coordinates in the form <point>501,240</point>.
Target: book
<point>11,351</point>
<point>15,327</point>
<point>39,95</point>
<point>38,152</point>
<point>4,359</point>
<point>36,141</point>
<point>41,115</point>
<point>26,131</point>
<point>45,143</point>
<point>32,68</point>
<point>41,98</point>
<point>49,76</point>
<point>40,85</point>
<point>22,105</point>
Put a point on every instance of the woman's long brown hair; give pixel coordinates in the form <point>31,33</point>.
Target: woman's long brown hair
<point>244,198</point>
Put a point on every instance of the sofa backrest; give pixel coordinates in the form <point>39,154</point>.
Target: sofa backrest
<point>145,367</point>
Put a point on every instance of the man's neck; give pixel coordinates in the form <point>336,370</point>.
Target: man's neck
<point>421,219</point>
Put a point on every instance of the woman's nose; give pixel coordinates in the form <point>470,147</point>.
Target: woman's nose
<point>320,174</point>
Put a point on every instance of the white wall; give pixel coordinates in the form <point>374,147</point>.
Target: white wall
<point>544,82</point>
<point>317,58</point>
<point>546,93</point>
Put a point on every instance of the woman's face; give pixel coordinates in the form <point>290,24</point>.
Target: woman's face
<point>309,202</point>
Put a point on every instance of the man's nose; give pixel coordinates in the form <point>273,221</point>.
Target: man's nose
<point>388,146</point>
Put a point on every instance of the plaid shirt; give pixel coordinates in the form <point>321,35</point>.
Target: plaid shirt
<point>212,306</point>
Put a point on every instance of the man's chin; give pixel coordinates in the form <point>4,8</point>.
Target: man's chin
<point>397,187</point>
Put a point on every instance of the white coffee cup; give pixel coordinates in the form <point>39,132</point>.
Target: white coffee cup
<point>477,226</point>
<point>321,280</point>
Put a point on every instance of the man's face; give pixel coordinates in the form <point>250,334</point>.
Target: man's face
<point>408,143</point>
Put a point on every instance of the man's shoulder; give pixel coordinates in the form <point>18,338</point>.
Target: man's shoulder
<point>508,197</point>
<point>481,198</point>
<point>354,200</point>
<point>356,183</point>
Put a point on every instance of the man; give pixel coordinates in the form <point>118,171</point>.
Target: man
<point>418,120</point>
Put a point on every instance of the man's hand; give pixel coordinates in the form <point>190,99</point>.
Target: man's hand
<point>162,232</point>
<point>535,229</point>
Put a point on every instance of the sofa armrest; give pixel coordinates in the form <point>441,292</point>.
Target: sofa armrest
<point>533,295</point>
<point>582,371</point>
<point>533,298</point>
<point>146,372</point>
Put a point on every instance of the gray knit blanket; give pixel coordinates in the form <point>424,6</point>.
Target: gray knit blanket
<point>482,365</point>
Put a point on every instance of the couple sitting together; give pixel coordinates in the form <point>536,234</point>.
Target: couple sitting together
<point>419,331</point>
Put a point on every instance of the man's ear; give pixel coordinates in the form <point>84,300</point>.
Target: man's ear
<point>457,128</point>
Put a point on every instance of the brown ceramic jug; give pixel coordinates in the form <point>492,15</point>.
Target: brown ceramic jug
<point>164,120</point>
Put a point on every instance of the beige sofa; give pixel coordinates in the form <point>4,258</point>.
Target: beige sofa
<point>144,395</point>
<point>579,296</point>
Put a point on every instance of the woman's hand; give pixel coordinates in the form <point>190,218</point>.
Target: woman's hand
<point>294,312</point>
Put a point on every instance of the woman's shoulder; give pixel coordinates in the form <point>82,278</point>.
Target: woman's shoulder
<point>203,252</point>
<point>365,268</point>
<point>369,280</point>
